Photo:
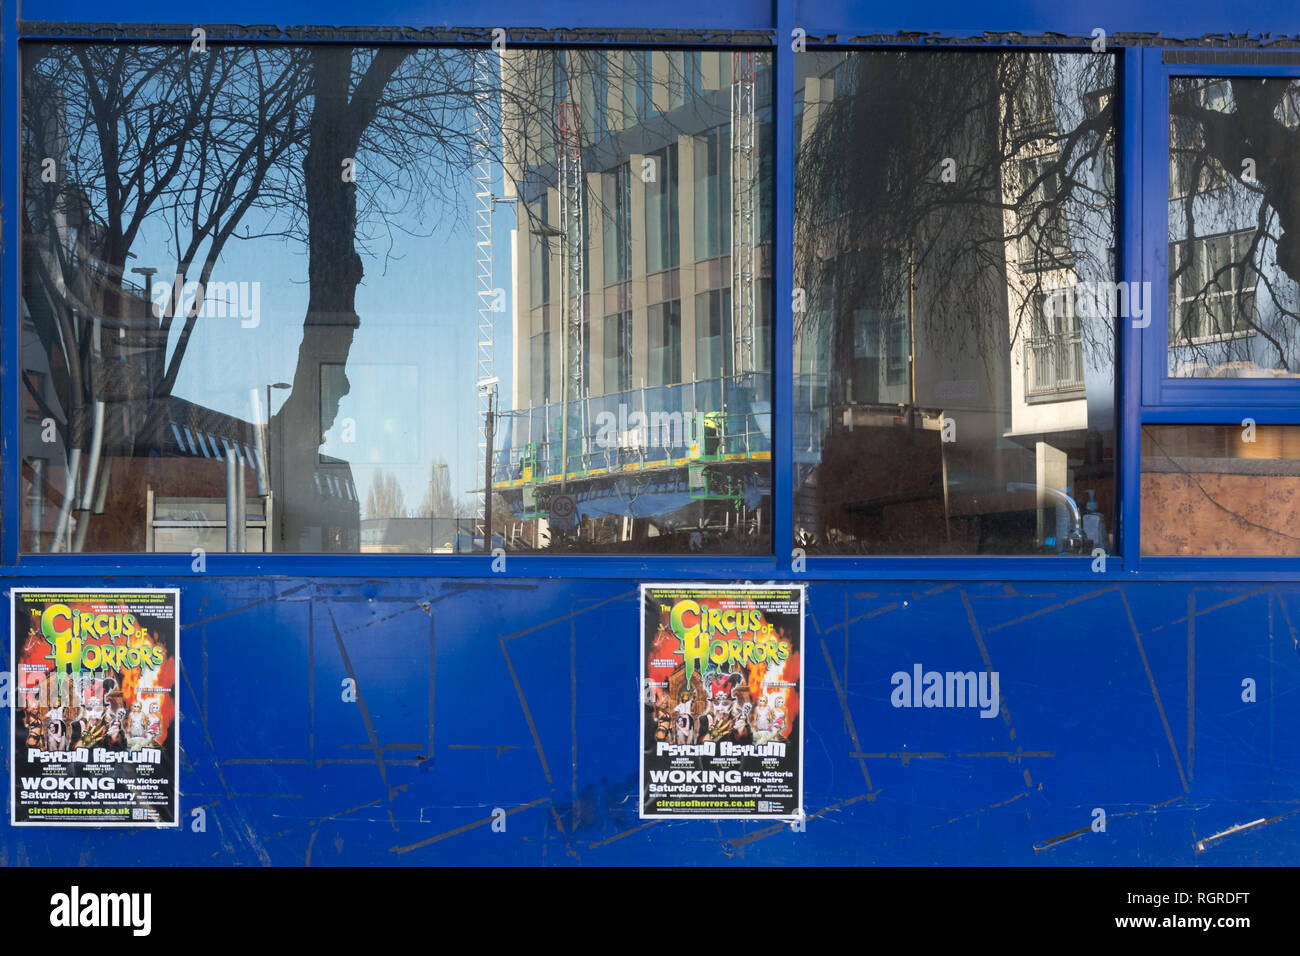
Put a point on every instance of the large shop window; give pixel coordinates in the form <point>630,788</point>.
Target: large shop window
<point>955,330</point>
<point>259,312</point>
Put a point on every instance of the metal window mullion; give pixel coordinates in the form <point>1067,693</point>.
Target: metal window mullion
<point>10,288</point>
<point>782,285</point>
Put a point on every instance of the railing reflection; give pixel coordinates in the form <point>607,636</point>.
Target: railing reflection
<point>653,426</point>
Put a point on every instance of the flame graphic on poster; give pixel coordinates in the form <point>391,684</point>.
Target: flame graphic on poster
<point>43,687</point>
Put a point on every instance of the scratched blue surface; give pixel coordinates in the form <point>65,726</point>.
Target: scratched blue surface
<point>522,695</point>
<point>1122,691</point>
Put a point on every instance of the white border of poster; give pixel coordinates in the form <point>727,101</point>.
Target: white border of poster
<point>173,731</point>
<point>648,689</point>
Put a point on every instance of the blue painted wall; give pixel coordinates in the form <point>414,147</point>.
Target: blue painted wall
<point>522,695</point>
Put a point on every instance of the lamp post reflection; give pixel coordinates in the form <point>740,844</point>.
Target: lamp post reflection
<point>270,504</point>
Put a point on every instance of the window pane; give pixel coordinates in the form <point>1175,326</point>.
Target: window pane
<point>618,352</point>
<point>713,326</point>
<point>955,339</point>
<point>540,353</point>
<point>616,220</point>
<point>426,246</point>
<point>662,237</point>
<point>665,365</point>
<point>1234,289</point>
<point>1220,490</point>
<point>539,267</point>
<point>713,194</point>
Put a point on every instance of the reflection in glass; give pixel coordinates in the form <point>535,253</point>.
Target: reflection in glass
<point>1234,265</point>
<point>654,427</point>
<point>955,303</point>
<point>270,300</point>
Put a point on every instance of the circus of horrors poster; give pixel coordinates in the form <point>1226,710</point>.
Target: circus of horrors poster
<point>95,715</point>
<point>722,686</point>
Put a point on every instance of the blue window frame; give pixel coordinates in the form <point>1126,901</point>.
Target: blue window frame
<point>1221,399</point>
<point>1163,398</point>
